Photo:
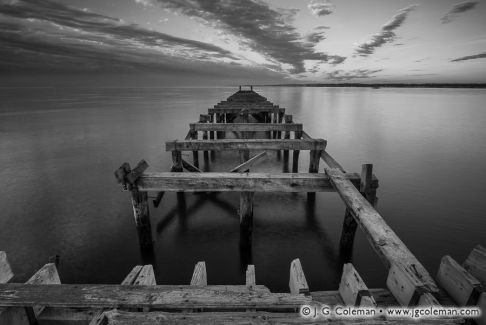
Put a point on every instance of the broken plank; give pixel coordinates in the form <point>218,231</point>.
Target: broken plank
<point>459,284</point>
<point>244,167</point>
<point>297,283</point>
<point>250,144</point>
<point>475,264</point>
<point>5,270</point>
<point>383,239</point>
<point>250,276</point>
<point>353,290</point>
<point>189,167</point>
<point>330,161</point>
<point>199,276</point>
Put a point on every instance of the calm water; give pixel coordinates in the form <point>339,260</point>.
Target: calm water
<point>59,148</point>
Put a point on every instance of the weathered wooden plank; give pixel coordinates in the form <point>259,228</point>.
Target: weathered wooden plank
<point>199,276</point>
<point>146,276</point>
<point>459,284</point>
<point>353,290</point>
<point>297,283</point>
<point>475,264</point>
<point>251,110</point>
<point>250,276</point>
<point>141,214</point>
<point>330,161</point>
<point>253,182</point>
<point>19,316</point>
<point>5,270</point>
<point>407,288</point>
<point>190,167</point>
<point>250,144</point>
<point>245,127</point>
<point>139,275</point>
<point>171,297</point>
<point>382,238</point>
<point>118,317</point>
<point>244,167</point>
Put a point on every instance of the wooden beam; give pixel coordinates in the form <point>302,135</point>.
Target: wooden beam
<point>228,182</point>
<point>170,297</point>
<point>250,276</point>
<point>5,270</point>
<point>199,276</point>
<point>251,110</point>
<point>251,144</point>
<point>459,284</point>
<point>190,167</point>
<point>120,317</point>
<point>297,283</point>
<point>17,315</point>
<point>244,167</point>
<point>330,161</point>
<point>475,264</point>
<point>246,212</point>
<point>383,239</point>
<point>353,290</point>
<point>245,127</point>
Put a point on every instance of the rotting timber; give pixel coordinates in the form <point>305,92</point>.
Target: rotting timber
<point>139,300</point>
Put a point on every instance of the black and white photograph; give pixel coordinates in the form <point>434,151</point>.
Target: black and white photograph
<point>242,162</point>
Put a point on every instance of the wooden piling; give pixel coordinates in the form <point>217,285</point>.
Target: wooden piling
<point>250,276</point>
<point>246,210</point>
<point>204,119</point>
<point>288,120</point>
<point>195,154</point>
<point>349,224</point>
<point>295,154</point>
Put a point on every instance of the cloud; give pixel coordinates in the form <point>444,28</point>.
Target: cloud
<point>470,57</point>
<point>321,7</point>
<point>49,36</point>
<point>257,26</point>
<point>386,33</point>
<point>340,75</point>
<point>457,9</point>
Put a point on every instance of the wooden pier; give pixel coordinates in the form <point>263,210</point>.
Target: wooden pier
<point>259,126</point>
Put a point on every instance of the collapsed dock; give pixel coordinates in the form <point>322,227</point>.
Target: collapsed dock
<point>259,126</point>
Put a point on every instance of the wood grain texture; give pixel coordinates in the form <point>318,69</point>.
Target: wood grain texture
<point>475,264</point>
<point>352,288</point>
<point>245,127</point>
<point>224,182</point>
<point>171,297</point>
<point>251,144</point>
<point>199,276</point>
<point>459,283</point>
<point>297,283</point>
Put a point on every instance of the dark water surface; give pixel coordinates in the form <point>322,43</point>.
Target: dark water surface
<point>59,148</point>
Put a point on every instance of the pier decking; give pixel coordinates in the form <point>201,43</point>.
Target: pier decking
<point>259,126</point>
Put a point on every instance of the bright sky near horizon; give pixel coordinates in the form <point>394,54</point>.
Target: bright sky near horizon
<point>259,41</point>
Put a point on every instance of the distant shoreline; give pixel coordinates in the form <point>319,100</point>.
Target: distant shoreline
<point>395,85</point>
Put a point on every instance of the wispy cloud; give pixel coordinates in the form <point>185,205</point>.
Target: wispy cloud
<point>340,75</point>
<point>386,33</point>
<point>263,29</point>
<point>43,34</point>
<point>470,57</point>
<point>457,9</point>
<point>321,7</point>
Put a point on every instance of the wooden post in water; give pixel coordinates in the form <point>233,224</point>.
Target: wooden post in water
<point>195,153</point>
<point>315,157</point>
<point>295,155</point>
<point>288,119</point>
<point>349,224</point>
<point>204,119</point>
<point>212,136</point>
<point>246,218</point>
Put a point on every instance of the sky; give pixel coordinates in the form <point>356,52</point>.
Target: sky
<point>227,42</point>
